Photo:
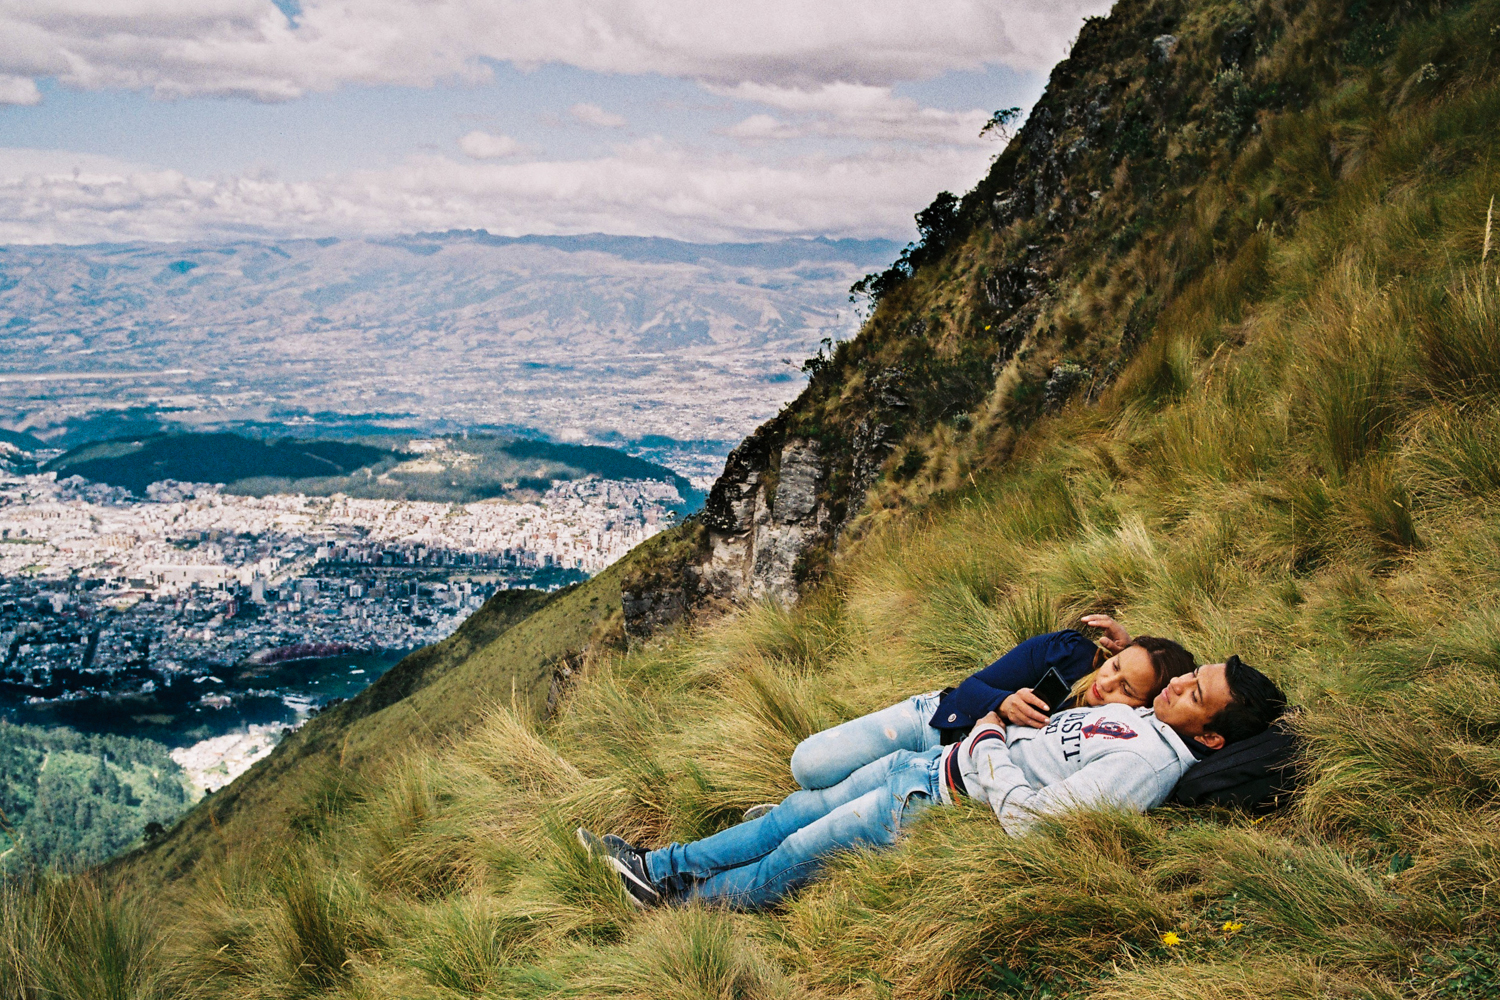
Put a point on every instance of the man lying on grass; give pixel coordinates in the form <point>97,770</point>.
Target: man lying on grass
<point>1106,756</point>
<point>1136,672</point>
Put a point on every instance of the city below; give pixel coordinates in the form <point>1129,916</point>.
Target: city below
<point>209,621</point>
<point>403,427</point>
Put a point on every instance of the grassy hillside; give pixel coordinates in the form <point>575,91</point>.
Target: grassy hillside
<point>1297,458</point>
<point>513,651</point>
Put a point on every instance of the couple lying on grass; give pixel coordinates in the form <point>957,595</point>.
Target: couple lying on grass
<point>991,739</point>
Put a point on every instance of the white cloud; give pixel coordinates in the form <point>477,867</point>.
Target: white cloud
<point>592,114</point>
<point>486,146</point>
<point>824,71</point>
<point>248,47</point>
<point>838,98</point>
<point>645,188</point>
<point>852,110</point>
<point>19,90</point>
<point>762,127</point>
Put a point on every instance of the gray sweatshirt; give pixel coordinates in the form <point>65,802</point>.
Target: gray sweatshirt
<point>1110,756</point>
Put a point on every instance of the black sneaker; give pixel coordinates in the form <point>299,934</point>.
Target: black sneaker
<point>628,862</point>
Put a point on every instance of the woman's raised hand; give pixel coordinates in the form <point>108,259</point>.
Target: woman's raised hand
<point>1024,708</point>
<point>1115,638</point>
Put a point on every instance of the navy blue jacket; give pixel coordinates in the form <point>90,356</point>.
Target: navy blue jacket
<point>1024,666</point>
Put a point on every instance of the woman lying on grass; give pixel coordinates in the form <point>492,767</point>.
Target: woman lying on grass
<point>1135,673</point>
<point>1089,757</point>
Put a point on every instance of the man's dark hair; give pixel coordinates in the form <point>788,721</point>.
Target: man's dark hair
<point>1254,703</point>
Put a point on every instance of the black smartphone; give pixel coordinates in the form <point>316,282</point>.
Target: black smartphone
<point>1052,689</point>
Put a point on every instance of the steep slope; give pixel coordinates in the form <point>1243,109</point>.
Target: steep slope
<point>1169,141</point>
<point>1293,457</point>
<point>521,649</point>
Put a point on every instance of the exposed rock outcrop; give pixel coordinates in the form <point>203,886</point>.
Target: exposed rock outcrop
<point>756,542</point>
<point>761,516</point>
<point>648,609</point>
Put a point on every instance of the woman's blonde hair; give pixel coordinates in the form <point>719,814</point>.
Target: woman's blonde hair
<point>1168,660</point>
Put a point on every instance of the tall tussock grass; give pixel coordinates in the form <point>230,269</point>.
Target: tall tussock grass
<point>938,916</point>
<point>1298,465</point>
<point>76,938</point>
<point>686,955</point>
<point>1461,336</point>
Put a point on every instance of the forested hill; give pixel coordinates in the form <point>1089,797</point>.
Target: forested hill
<point>1215,347</point>
<point>69,801</point>
<point>445,469</point>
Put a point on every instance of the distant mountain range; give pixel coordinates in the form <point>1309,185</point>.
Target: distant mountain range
<point>583,336</point>
<point>651,249</point>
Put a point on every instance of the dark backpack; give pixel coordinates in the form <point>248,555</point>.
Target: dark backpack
<point>1258,774</point>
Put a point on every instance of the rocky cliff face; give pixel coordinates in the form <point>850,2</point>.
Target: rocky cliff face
<point>763,515</point>
<point>1031,290</point>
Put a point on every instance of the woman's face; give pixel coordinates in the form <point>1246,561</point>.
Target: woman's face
<point>1125,679</point>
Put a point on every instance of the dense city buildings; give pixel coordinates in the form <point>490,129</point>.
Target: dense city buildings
<point>195,613</point>
<point>428,419</point>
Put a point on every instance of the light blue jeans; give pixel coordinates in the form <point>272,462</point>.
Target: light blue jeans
<point>827,758</point>
<point>754,864</point>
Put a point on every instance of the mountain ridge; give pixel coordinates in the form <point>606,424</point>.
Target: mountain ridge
<point>464,469</point>
<point>783,251</point>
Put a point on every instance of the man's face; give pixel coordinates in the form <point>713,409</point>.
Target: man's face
<point>1188,702</point>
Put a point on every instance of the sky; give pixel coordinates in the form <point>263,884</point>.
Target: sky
<point>708,121</point>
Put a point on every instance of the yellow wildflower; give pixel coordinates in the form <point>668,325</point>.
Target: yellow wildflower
<point>1170,938</point>
<point>1232,925</point>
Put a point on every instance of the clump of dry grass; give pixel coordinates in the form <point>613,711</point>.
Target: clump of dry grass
<point>936,916</point>
<point>1257,977</point>
<point>75,938</point>
<point>692,954</point>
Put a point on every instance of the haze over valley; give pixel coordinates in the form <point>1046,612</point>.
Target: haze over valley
<point>678,348</point>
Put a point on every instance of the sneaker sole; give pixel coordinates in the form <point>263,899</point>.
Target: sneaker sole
<point>585,838</point>
<point>629,876</point>
<point>635,879</point>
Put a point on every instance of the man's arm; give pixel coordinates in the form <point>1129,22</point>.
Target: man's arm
<point>1122,779</point>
